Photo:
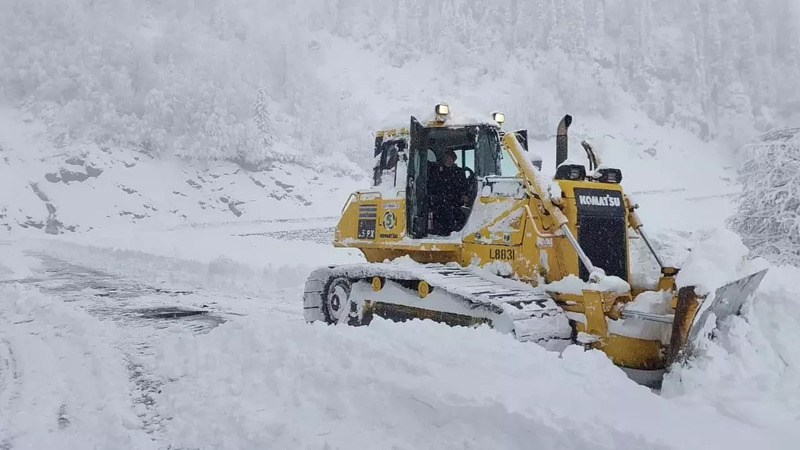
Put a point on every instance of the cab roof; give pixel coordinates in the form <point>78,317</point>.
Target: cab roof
<point>433,124</point>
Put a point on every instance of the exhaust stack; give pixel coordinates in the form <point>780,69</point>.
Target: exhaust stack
<point>561,140</point>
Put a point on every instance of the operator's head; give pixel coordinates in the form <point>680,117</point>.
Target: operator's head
<point>449,158</point>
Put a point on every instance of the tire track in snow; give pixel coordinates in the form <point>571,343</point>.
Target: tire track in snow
<point>323,235</point>
<point>9,385</point>
<point>658,191</point>
<point>693,198</point>
<point>140,314</point>
<point>116,299</point>
<point>9,375</point>
<point>197,225</point>
<point>711,196</point>
<point>63,383</point>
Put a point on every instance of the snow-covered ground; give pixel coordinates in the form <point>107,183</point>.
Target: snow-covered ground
<point>156,341</point>
<point>185,330</point>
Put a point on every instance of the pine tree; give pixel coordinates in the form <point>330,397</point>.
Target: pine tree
<point>262,116</point>
<point>576,27</point>
<point>550,24</point>
<point>645,33</point>
<point>600,19</point>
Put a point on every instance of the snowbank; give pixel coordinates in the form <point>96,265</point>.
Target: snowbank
<point>751,370</point>
<point>267,378</point>
<point>203,258</point>
<point>261,381</point>
<point>14,262</point>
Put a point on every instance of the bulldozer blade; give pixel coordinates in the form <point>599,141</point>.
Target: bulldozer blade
<point>727,301</point>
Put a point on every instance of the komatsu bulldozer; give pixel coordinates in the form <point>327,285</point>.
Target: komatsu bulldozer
<point>545,260</point>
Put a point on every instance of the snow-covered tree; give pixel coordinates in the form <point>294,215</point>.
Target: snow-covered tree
<point>768,217</point>
<point>263,118</point>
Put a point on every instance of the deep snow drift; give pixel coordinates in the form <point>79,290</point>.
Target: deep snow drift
<point>263,377</point>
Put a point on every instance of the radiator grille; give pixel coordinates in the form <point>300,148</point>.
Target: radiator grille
<point>603,240</point>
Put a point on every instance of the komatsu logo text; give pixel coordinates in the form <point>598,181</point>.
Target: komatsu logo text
<point>599,202</point>
<point>594,200</point>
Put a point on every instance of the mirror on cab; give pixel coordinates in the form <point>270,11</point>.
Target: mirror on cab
<point>536,159</point>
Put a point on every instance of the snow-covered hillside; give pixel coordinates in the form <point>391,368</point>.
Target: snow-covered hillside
<point>75,188</point>
<point>283,93</point>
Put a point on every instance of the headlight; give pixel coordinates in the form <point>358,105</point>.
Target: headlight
<point>499,117</point>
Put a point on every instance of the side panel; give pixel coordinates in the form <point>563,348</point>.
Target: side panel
<point>370,219</point>
<point>504,259</point>
<point>367,221</point>
<point>391,220</point>
<point>494,235</point>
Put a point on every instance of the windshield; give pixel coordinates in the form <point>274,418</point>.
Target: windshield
<point>476,147</point>
<point>507,166</point>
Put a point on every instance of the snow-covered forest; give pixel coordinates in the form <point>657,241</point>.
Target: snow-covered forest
<point>253,81</point>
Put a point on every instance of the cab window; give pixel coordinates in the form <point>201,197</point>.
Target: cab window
<point>467,159</point>
<point>507,166</point>
<point>386,159</point>
<point>486,151</point>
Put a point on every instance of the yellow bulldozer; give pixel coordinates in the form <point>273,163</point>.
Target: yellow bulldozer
<point>461,227</point>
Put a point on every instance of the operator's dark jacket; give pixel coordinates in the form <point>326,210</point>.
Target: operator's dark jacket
<point>446,185</point>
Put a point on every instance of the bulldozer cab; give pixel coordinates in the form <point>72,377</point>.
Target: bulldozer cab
<point>435,193</point>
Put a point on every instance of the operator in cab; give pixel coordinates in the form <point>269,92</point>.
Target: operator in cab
<point>447,194</point>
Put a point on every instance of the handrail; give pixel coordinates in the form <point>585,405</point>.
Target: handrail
<point>502,178</point>
<point>347,203</point>
<point>358,194</point>
<point>535,228</point>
